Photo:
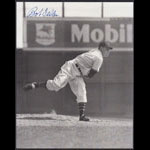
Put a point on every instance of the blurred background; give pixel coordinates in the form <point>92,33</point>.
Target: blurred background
<point>110,92</point>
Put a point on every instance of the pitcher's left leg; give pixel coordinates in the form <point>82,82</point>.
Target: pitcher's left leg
<point>78,87</point>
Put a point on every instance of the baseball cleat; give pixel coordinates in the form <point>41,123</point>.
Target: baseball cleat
<point>83,118</point>
<point>29,86</point>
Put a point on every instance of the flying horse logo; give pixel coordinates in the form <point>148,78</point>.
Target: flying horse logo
<point>45,33</point>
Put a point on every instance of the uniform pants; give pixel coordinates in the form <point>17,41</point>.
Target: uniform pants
<point>69,74</point>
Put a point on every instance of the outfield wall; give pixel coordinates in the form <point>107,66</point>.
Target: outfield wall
<point>110,92</point>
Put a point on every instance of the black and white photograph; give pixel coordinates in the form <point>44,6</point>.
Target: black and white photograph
<point>74,74</point>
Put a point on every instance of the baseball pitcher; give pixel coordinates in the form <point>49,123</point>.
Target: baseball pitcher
<point>73,72</point>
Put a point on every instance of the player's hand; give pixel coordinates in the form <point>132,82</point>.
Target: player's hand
<point>29,86</point>
<point>86,77</point>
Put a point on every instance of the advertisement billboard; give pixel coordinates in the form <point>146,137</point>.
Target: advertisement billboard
<point>77,34</point>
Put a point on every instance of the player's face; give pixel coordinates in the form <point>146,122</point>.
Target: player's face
<point>105,51</point>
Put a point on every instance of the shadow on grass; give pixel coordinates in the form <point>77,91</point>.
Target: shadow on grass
<point>39,118</point>
<point>43,118</point>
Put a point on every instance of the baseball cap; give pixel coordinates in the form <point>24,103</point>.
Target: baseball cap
<point>105,44</point>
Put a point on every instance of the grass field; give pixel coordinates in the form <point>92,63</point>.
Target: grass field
<point>60,131</point>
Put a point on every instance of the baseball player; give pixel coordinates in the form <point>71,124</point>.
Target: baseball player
<point>73,72</point>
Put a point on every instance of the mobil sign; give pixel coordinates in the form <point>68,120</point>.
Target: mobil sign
<point>78,33</point>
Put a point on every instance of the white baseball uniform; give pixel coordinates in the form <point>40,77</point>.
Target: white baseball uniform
<point>69,73</point>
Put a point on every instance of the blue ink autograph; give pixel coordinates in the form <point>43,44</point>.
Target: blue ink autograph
<point>34,12</point>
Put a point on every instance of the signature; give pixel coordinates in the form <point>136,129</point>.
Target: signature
<point>35,12</point>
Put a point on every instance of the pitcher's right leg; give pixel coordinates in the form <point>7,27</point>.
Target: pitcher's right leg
<point>60,81</point>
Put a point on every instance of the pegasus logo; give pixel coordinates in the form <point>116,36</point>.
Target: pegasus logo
<point>45,33</point>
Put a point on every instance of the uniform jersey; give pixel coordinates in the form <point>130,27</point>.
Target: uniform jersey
<point>89,60</point>
<point>69,73</point>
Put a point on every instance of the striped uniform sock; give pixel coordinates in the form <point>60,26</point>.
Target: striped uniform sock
<point>82,106</point>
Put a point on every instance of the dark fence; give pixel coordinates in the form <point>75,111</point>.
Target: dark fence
<point>110,92</point>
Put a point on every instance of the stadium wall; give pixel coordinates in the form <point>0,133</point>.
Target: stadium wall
<point>110,92</point>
